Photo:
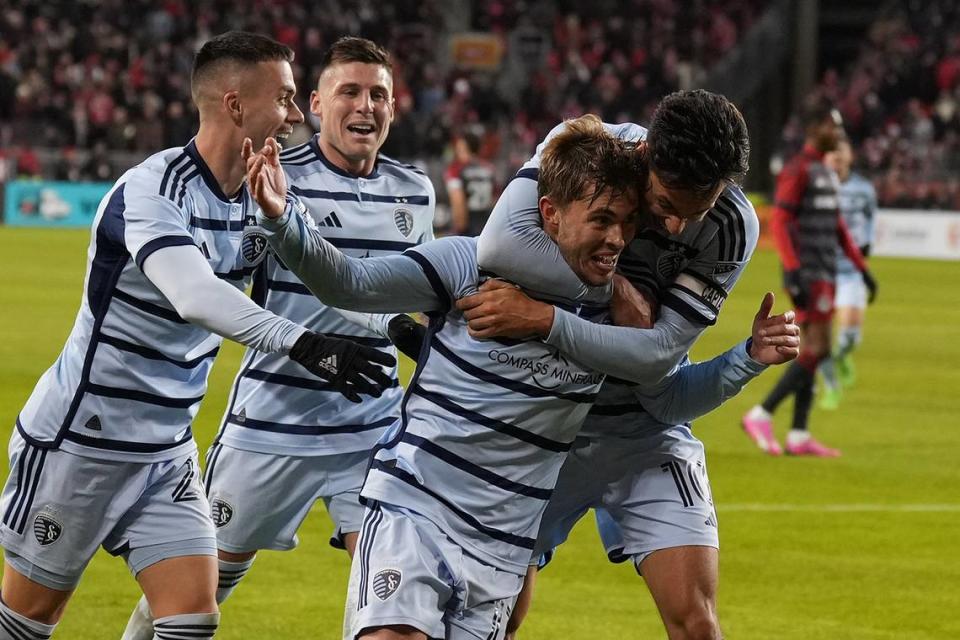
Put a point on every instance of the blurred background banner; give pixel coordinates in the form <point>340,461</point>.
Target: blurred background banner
<point>32,203</point>
<point>917,233</point>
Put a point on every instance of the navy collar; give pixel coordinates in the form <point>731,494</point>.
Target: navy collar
<point>207,175</point>
<point>315,145</point>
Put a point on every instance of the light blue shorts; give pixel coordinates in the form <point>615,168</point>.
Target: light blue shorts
<point>851,292</point>
<point>406,571</point>
<point>650,493</point>
<point>259,500</point>
<point>58,508</point>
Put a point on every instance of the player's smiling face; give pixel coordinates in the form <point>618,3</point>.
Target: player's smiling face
<point>670,210</point>
<point>354,102</point>
<point>267,100</point>
<point>591,233</point>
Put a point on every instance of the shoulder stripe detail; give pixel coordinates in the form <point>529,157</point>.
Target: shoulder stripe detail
<point>170,169</point>
<point>142,396</point>
<point>178,173</point>
<point>529,174</point>
<point>735,229</point>
<point>183,186</point>
<point>432,277</point>
<point>499,426</point>
<point>503,536</point>
<point>296,151</point>
<point>511,385</point>
<point>308,429</point>
<point>674,302</point>
<point>300,383</point>
<point>349,196</point>
<point>153,354</point>
<point>394,163</point>
<point>149,307</point>
<point>161,243</point>
<point>475,470</point>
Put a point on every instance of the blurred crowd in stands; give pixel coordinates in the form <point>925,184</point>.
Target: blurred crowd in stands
<point>900,102</point>
<point>89,86</point>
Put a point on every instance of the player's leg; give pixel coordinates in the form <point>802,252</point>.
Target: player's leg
<point>524,601</point>
<point>849,335</point>
<point>401,578</point>
<point>683,583</point>
<point>482,601</point>
<point>57,508</point>
<point>169,543</point>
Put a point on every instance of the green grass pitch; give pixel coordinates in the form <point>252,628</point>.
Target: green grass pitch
<point>863,547</point>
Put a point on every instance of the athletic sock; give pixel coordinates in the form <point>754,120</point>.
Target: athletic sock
<point>802,401</point>
<point>759,413</point>
<point>14,626</point>
<point>788,383</point>
<point>848,340</point>
<point>828,370</point>
<point>795,437</point>
<point>140,624</point>
<point>231,573</point>
<point>186,626</point>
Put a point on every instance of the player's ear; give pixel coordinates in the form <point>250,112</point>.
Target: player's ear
<point>393,108</point>
<point>231,104</point>
<point>550,215</point>
<point>316,106</point>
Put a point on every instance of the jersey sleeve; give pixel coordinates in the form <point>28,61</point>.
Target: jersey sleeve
<point>695,389</point>
<point>387,284</point>
<point>451,177</point>
<point>151,221</point>
<point>450,265</point>
<point>699,291</point>
<point>791,185</point>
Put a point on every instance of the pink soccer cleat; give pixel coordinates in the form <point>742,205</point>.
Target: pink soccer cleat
<point>811,447</point>
<point>760,431</point>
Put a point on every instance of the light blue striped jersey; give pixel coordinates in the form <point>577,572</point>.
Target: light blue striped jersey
<point>858,205</point>
<point>276,405</point>
<point>131,376</point>
<point>486,424</point>
<point>690,274</point>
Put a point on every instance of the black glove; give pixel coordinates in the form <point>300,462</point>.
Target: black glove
<point>871,286</point>
<point>350,368</point>
<point>794,286</point>
<point>407,334</point>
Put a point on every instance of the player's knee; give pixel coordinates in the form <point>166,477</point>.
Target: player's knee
<point>702,625</point>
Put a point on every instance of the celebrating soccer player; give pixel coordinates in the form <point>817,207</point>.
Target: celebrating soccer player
<point>103,453</point>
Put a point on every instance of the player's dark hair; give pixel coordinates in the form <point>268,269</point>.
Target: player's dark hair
<point>472,141</point>
<point>815,109</point>
<point>238,47</point>
<point>697,141</point>
<point>585,160</point>
<point>354,49</point>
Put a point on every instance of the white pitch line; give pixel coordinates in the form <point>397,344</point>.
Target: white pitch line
<point>843,508</point>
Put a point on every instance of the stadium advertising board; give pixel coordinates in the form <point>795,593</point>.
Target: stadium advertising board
<point>910,233</point>
<point>32,203</point>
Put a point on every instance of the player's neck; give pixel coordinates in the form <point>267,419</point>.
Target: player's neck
<point>222,155</point>
<point>357,168</point>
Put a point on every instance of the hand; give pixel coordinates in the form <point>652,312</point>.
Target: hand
<point>775,339</point>
<point>793,283</point>
<point>265,177</point>
<point>350,368</point>
<point>871,286</point>
<point>407,335</point>
<point>631,307</point>
<point>501,310</point>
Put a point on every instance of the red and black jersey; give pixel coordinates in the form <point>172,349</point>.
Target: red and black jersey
<point>477,180</point>
<point>806,222</point>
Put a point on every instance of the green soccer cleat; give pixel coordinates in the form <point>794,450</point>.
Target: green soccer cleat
<point>846,372</point>
<point>830,398</point>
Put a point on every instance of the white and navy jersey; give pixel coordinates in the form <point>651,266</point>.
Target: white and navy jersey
<point>131,376</point>
<point>486,424</point>
<point>858,206</point>
<point>276,405</point>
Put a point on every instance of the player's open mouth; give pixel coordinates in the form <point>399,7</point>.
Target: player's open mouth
<point>281,137</point>
<point>361,129</point>
<point>606,261</point>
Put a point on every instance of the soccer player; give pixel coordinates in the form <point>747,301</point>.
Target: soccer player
<point>640,463</point>
<point>807,227</point>
<point>306,441</point>
<point>455,492</point>
<point>470,184</point>
<point>858,204</point>
<point>102,453</point>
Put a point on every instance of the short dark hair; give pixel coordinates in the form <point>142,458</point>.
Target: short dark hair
<point>585,156</point>
<point>235,47</point>
<point>697,141</point>
<point>354,49</point>
<point>473,142</point>
<point>815,109</point>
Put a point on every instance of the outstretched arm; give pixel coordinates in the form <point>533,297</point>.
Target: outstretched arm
<point>389,284</point>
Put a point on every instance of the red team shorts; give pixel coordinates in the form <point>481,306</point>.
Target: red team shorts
<point>819,307</point>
